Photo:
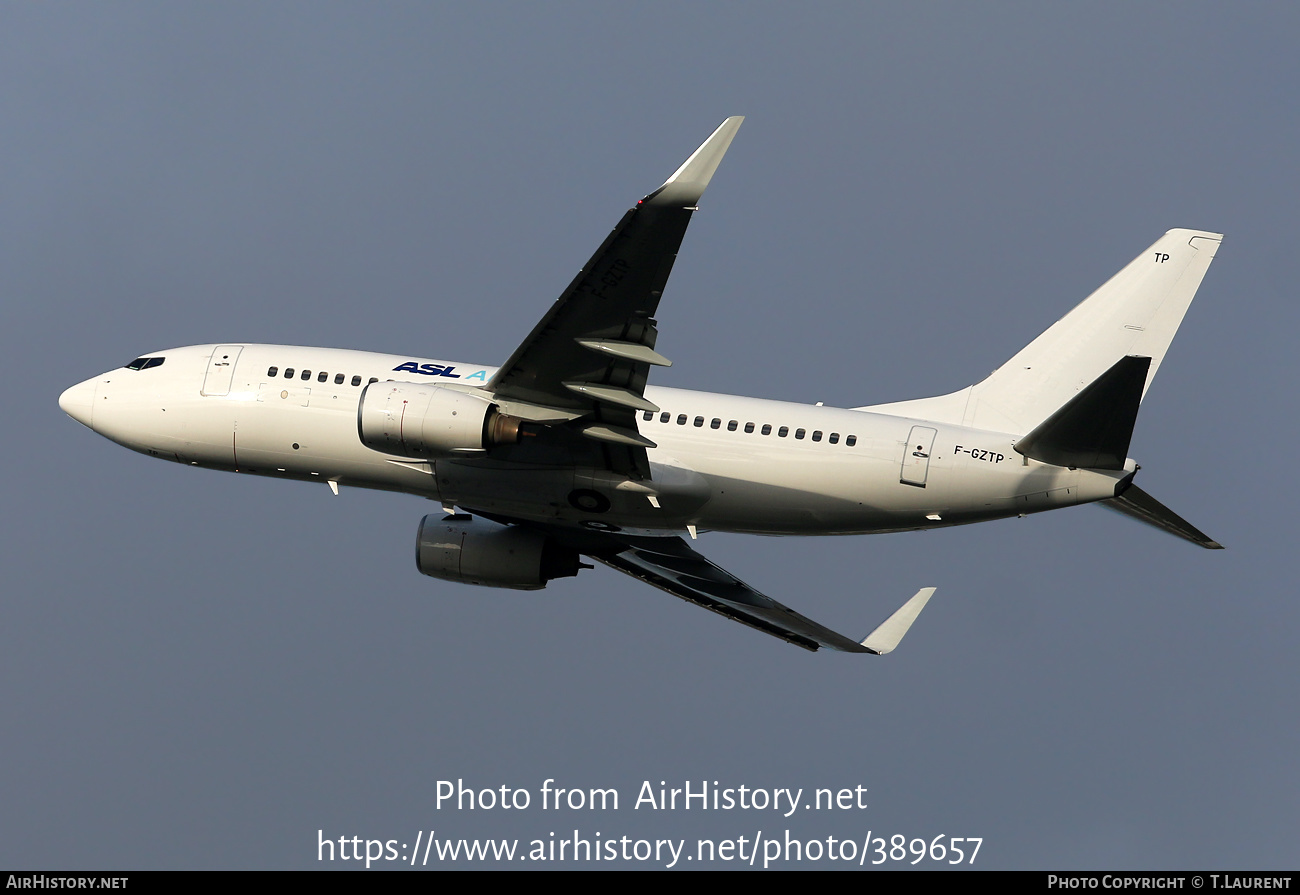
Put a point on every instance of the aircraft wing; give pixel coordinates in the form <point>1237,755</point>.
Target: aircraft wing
<point>587,360</point>
<point>670,564</point>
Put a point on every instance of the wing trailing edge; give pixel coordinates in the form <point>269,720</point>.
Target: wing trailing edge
<point>673,566</point>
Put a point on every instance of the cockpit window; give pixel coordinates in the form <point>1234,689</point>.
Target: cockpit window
<point>145,363</point>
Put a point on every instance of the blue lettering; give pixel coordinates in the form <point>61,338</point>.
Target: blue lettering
<point>433,370</point>
<point>481,375</point>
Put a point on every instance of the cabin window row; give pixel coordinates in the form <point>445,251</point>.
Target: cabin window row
<point>322,376</point>
<point>765,429</point>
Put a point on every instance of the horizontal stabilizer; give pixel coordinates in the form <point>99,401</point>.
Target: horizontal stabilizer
<point>890,633</point>
<point>1094,428</point>
<point>1139,505</point>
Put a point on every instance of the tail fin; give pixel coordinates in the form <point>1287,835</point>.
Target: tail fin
<point>1135,313</point>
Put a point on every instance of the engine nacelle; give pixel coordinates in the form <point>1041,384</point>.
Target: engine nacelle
<point>413,420</point>
<point>477,551</point>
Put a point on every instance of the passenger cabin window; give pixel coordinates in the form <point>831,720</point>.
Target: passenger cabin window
<point>716,424</point>
<point>835,438</point>
<point>681,419</point>
<point>699,421</point>
<point>272,371</point>
<point>306,374</point>
<point>356,380</point>
<point>648,415</point>
<point>799,433</point>
<point>731,426</point>
<point>749,428</point>
<point>323,376</point>
<point>767,428</point>
<point>817,435</point>
<point>338,379</point>
<point>288,372</point>
<point>851,440</point>
<point>373,379</point>
<point>783,432</point>
<point>665,417</point>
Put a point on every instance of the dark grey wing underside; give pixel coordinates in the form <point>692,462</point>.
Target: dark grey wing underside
<point>672,565</point>
<point>590,356</point>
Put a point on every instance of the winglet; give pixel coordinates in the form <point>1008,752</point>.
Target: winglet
<point>890,633</point>
<point>687,184</point>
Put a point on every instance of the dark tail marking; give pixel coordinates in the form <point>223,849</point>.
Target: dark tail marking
<point>1093,429</point>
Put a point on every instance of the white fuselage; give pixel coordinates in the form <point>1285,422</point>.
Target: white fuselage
<point>722,462</point>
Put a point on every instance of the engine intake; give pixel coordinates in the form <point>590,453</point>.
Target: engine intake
<point>413,420</point>
<point>477,551</point>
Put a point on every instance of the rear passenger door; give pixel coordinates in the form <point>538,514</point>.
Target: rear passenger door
<point>916,456</point>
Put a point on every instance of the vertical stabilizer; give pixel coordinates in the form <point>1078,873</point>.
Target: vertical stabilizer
<point>1136,313</point>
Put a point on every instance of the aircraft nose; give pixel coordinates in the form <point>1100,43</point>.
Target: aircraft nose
<point>78,402</point>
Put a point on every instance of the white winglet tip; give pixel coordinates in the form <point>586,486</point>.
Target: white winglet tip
<point>890,633</point>
<point>688,182</point>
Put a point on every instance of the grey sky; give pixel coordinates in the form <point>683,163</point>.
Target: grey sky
<point>202,670</point>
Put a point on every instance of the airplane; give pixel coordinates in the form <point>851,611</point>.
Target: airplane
<point>564,451</point>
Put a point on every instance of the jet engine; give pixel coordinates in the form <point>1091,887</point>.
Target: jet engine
<point>476,551</point>
<point>413,420</point>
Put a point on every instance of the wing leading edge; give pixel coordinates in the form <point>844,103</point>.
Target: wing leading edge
<point>588,358</point>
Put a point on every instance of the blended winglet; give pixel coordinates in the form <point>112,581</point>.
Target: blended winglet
<point>890,633</point>
<point>688,182</point>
